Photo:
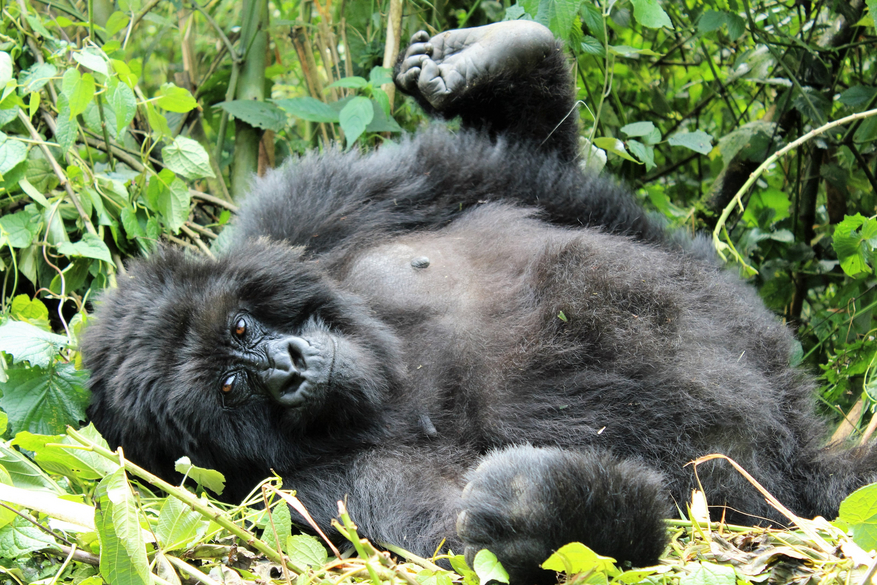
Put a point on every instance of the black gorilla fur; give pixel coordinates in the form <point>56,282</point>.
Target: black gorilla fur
<point>387,329</point>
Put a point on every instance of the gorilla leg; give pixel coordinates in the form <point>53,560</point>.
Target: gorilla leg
<point>523,503</point>
<point>509,78</point>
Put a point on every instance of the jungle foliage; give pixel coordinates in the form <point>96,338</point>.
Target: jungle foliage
<point>125,124</point>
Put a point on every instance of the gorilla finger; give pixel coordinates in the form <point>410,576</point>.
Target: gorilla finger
<point>408,79</point>
<point>413,61</point>
<point>419,37</point>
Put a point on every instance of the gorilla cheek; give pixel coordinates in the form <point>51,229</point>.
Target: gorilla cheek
<point>298,371</point>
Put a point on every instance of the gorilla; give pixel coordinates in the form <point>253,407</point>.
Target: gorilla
<point>467,338</point>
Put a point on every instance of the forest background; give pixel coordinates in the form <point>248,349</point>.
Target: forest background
<point>127,123</point>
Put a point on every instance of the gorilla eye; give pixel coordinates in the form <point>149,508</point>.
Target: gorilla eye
<point>228,384</point>
<point>240,328</point>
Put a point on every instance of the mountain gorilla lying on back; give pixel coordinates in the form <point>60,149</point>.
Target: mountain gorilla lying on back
<point>431,332</point>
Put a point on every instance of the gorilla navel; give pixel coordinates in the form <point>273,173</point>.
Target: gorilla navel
<point>420,262</point>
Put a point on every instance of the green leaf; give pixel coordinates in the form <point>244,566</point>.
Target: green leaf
<point>45,400</point>
<point>78,89</point>
<point>698,141</point>
<point>859,512</point>
<point>157,122</point>
<point>187,158</point>
<point>173,204</point>
<point>592,16</point>
<point>21,538</point>
<point>91,59</point>
<point>710,574</point>
<point>5,68</point>
<point>282,524</point>
<point>76,464</point>
<point>650,14</point>
<point>90,246</point>
<point>24,341</point>
<point>858,95</point>
<point>178,525</point>
<point>264,115</point>
<point>577,558</point>
<point>379,76</point>
<point>638,129</point>
<point>488,568</point>
<point>209,478</point>
<point>749,140</point>
<point>121,98</point>
<point>458,563</point>
<point>644,153</point>
<point>354,118</point>
<point>381,98</point>
<point>592,46</point>
<point>36,76</point>
<point>123,558</point>
<point>614,146</point>
<point>12,152</point>
<point>349,82</point>
<point>306,550</point>
<point>854,240</point>
<point>19,229</point>
<point>116,22</point>
<point>175,99</point>
<point>31,310</point>
<point>25,473</point>
<point>308,108</point>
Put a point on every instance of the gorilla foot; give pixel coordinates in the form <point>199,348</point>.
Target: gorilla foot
<point>450,64</point>
<point>523,503</point>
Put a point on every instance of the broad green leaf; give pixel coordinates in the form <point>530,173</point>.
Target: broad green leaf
<point>305,550</point>
<point>12,152</point>
<point>27,309</point>
<point>711,20</point>
<point>614,146</point>
<point>36,76</point>
<point>488,568</point>
<point>264,115</point>
<point>92,59</point>
<point>650,14</point>
<point>593,19</point>
<point>93,122</point>
<point>354,118</point>
<point>698,141</point>
<point>576,558</point>
<point>124,72</point>
<point>308,108</point>
<point>67,128</point>
<point>90,246</point>
<point>41,176</point>
<point>25,473</point>
<point>458,563</point>
<point>859,512</point>
<point>282,524</point>
<point>766,208</point>
<point>77,464</point>
<point>132,226</point>
<point>5,68</point>
<point>187,158</point>
<point>854,241</point>
<point>20,538</point>
<point>592,46</point>
<point>638,129</point>
<point>382,99</point>
<point>379,76</point>
<point>349,82</point>
<point>710,574</point>
<point>178,525</point>
<point>644,153</point>
<point>157,122</point>
<point>749,140</point>
<point>123,559</point>
<point>175,99</point>
<point>173,204</point>
<point>121,99</point>
<point>209,478</point>
<point>116,22</point>
<point>78,89</point>
<point>858,95</point>
<point>45,400</point>
<point>24,341</point>
<point>427,577</point>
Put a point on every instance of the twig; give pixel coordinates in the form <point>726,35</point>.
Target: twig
<point>139,16</point>
<point>214,200</point>
<point>194,237</point>
<point>722,247</point>
<point>59,172</point>
<point>187,498</point>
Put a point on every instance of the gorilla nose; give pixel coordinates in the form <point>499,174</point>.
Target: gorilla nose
<point>283,375</point>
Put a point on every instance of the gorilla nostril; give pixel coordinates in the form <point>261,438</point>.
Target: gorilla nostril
<point>297,357</point>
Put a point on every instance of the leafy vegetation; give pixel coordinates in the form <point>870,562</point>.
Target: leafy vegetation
<point>124,124</point>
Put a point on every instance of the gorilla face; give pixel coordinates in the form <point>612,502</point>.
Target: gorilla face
<point>253,353</point>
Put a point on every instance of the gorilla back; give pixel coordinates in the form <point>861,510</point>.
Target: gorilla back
<point>433,332</point>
